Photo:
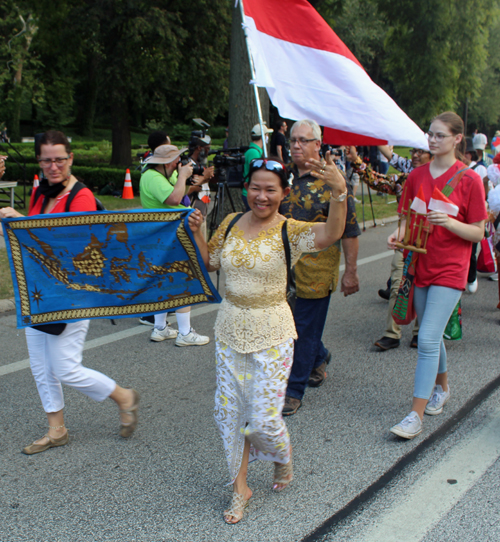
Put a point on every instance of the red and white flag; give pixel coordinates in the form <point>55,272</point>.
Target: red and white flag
<point>440,203</point>
<point>418,204</point>
<point>310,73</point>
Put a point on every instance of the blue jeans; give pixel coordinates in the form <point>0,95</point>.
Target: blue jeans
<point>434,305</point>
<point>309,352</point>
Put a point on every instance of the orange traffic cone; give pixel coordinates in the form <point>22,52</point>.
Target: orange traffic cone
<point>36,182</point>
<point>128,193</point>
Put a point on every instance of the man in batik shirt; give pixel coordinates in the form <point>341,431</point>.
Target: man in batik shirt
<point>316,274</point>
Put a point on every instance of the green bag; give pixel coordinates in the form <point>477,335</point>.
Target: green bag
<point>453,331</point>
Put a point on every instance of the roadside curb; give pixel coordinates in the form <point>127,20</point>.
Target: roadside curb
<point>383,222</point>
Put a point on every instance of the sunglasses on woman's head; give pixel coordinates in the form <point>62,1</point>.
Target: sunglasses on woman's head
<point>270,165</point>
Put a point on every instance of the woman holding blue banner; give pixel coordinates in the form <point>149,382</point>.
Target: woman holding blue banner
<point>56,349</point>
<point>451,190</point>
<point>255,328</point>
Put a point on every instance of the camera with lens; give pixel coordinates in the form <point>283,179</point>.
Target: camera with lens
<point>197,169</point>
<point>335,152</point>
<point>228,166</point>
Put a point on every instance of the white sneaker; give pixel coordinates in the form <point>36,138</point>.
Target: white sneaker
<point>410,427</point>
<point>472,287</point>
<point>145,322</point>
<point>494,277</point>
<point>191,339</point>
<point>437,401</point>
<point>167,332</point>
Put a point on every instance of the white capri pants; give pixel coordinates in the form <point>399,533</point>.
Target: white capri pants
<point>57,359</point>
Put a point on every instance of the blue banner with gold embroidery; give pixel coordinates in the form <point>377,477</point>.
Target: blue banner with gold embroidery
<point>74,266</point>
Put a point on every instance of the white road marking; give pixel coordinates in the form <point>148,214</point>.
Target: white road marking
<point>432,497</point>
<point>373,258</point>
<point>119,335</point>
<point>101,341</point>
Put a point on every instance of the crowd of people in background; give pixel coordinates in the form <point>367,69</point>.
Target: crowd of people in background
<point>281,258</point>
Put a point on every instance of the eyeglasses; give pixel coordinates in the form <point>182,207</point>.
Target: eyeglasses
<point>437,137</point>
<point>270,165</point>
<point>302,141</point>
<point>418,152</point>
<point>46,163</point>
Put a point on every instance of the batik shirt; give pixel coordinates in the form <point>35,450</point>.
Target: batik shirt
<point>400,163</point>
<point>317,274</point>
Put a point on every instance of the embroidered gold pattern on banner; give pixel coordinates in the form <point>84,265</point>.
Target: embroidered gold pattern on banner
<point>75,219</point>
<point>17,258</point>
<point>103,312</point>
<point>188,246</point>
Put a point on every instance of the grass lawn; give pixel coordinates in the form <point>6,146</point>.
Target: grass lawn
<point>383,206</point>
<point>6,289</point>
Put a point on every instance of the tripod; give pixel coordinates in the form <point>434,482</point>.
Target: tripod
<point>217,215</point>
<point>223,205</point>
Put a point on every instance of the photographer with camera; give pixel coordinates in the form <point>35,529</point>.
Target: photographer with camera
<point>163,186</point>
<point>254,151</point>
<point>199,147</point>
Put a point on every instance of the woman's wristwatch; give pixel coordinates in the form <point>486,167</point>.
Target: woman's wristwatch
<point>341,197</point>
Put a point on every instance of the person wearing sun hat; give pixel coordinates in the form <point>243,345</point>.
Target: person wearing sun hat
<point>163,186</point>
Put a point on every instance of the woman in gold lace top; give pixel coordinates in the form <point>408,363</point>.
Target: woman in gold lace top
<point>254,328</point>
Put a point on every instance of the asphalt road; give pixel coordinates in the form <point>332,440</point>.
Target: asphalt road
<point>167,483</point>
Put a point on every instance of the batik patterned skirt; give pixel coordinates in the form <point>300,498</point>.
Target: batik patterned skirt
<point>249,398</point>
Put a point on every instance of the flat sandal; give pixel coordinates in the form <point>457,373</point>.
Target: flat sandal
<point>52,443</point>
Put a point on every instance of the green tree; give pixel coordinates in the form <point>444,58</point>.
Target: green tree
<point>18,27</point>
<point>484,113</point>
<point>435,52</point>
<point>359,25</point>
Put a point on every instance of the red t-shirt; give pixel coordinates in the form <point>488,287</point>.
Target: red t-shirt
<point>447,260</point>
<point>83,201</point>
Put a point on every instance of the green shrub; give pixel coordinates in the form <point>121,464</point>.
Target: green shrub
<point>94,177</point>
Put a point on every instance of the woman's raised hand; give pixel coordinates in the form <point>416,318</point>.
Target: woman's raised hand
<point>195,220</point>
<point>328,172</point>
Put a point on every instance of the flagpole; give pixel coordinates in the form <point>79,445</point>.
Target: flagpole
<point>252,71</point>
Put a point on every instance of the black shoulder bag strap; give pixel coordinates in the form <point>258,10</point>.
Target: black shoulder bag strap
<point>71,196</point>
<point>286,245</point>
<point>291,289</point>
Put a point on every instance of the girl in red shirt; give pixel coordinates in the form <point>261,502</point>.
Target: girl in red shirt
<point>441,274</point>
<point>56,349</point>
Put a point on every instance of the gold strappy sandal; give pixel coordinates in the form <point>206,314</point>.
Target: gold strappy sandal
<point>238,505</point>
<point>283,475</point>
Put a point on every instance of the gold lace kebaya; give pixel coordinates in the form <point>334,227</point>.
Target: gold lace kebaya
<point>254,313</point>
